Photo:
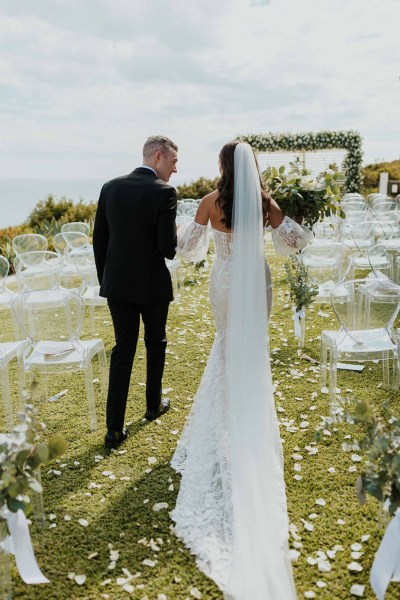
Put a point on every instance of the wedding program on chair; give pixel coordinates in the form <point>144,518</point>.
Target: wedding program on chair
<point>359,339</point>
<point>51,321</point>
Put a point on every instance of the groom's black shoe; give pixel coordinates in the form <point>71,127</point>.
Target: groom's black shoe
<point>151,415</point>
<point>114,438</point>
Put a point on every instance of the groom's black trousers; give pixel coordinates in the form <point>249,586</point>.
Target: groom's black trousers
<point>126,321</point>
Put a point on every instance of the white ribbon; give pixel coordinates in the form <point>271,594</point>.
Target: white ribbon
<point>386,565</point>
<point>19,543</point>
<point>298,314</point>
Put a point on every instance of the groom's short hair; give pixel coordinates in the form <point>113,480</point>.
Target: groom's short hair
<point>154,143</point>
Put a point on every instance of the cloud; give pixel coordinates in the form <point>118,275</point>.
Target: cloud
<point>84,83</point>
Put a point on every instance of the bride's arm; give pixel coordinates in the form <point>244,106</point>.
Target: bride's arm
<point>193,236</point>
<point>288,235</point>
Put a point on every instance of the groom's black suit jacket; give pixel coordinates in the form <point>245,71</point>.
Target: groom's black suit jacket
<point>134,231</point>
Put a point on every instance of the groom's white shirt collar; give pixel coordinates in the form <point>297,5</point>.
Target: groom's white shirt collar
<point>150,168</point>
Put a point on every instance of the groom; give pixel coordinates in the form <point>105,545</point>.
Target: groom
<point>134,232</point>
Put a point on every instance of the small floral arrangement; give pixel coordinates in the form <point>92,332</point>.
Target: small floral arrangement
<point>302,289</point>
<point>21,454</point>
<point>299,195</point>
<point>380,443</point>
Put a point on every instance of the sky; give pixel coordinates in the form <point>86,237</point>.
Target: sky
<point>83,83</point>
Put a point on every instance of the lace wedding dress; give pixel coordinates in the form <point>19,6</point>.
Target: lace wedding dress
<point>204,511</point>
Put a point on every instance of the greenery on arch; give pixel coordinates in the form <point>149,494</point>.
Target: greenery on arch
<point>349,140</point>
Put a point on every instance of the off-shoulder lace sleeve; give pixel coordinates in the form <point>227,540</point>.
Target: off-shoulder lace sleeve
<point>193,241</point>
<point>290,237</point>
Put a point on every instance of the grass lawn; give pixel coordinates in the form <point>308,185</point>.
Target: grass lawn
<point>116,493</point>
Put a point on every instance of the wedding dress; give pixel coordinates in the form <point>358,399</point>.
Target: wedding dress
<point>231,508</point>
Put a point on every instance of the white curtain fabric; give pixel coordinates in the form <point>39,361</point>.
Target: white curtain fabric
<point>261,568</point>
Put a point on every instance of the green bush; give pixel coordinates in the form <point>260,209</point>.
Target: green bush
<point>371,174</point>
<point>63,210</point>
<point>197,189</point>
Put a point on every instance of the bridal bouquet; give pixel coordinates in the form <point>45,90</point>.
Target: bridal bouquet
<point>300,195</point>
<point>21,453</point>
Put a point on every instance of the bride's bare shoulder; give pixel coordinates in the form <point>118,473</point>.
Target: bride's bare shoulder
<point>210,198</point>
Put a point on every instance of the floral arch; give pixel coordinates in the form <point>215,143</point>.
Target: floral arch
<point>349,140</point>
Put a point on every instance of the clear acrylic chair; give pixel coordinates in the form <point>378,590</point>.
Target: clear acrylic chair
<point>5,295</point>
<point>8,352</point>
<point>70,278</point>
<point>359,339</point>
<point>52,321</point>
<point>38,270</point>
<point>75,240</point>
<point>86,267</point>
<point>76,226</point>
<point>29,242</point>
<point>187,207</point>
<point>327,264</point>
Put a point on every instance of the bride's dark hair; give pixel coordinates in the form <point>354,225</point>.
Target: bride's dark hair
<point>226,183</point>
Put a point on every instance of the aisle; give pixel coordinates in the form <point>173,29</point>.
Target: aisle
<point>108,515</point>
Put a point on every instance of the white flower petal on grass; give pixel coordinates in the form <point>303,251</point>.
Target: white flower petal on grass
<point>341,522</point>
<point>356,458</point>
<point>152,460</point>
<point>107,473</point>
<point>357,590</point>
<point>320,502</point>
<point>80,579</point>
<point>354,566</point>
<point>93,555</point>
<point>71,575</point>
<point>324,566</point>
<point>321,584</point>
<point>106,582</point>
<point>128,588</point>
<point>297,457</point>
<point>67,518</point>
<point>304,424</point>
<point>297,467</point>
<point>195,593</point>
<point>331,470</point>
<point>309,594</point>
<point>83,522</point>
<point>297,477</point>
<point>356,547</point>
<point>312,561</point>
<point>365,538</point>
<point>308,526</point>
<point>148,563</point>
<point>356,555</point>
<point>159,506</point>
<point>294,555</point>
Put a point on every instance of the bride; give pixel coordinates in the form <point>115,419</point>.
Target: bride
<point>231,508</point>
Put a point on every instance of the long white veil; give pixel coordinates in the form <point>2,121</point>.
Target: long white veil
<point>261,567</point>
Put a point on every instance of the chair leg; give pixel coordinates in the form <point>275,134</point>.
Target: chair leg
<point>332,384</point>
<point>37,502</point>
<point>103,372</point>
<point>385,369</point>
<point>323,360</point>
<point>90,396</point>
<point>6,392</point>
<point>91,319</point>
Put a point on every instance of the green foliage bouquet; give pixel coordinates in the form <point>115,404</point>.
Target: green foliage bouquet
<point>380,442</point>
<point>21,454</point>
<point>302,289</point>
<point>299,195</point>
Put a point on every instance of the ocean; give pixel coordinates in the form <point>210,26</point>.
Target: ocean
<point>18,197</point>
